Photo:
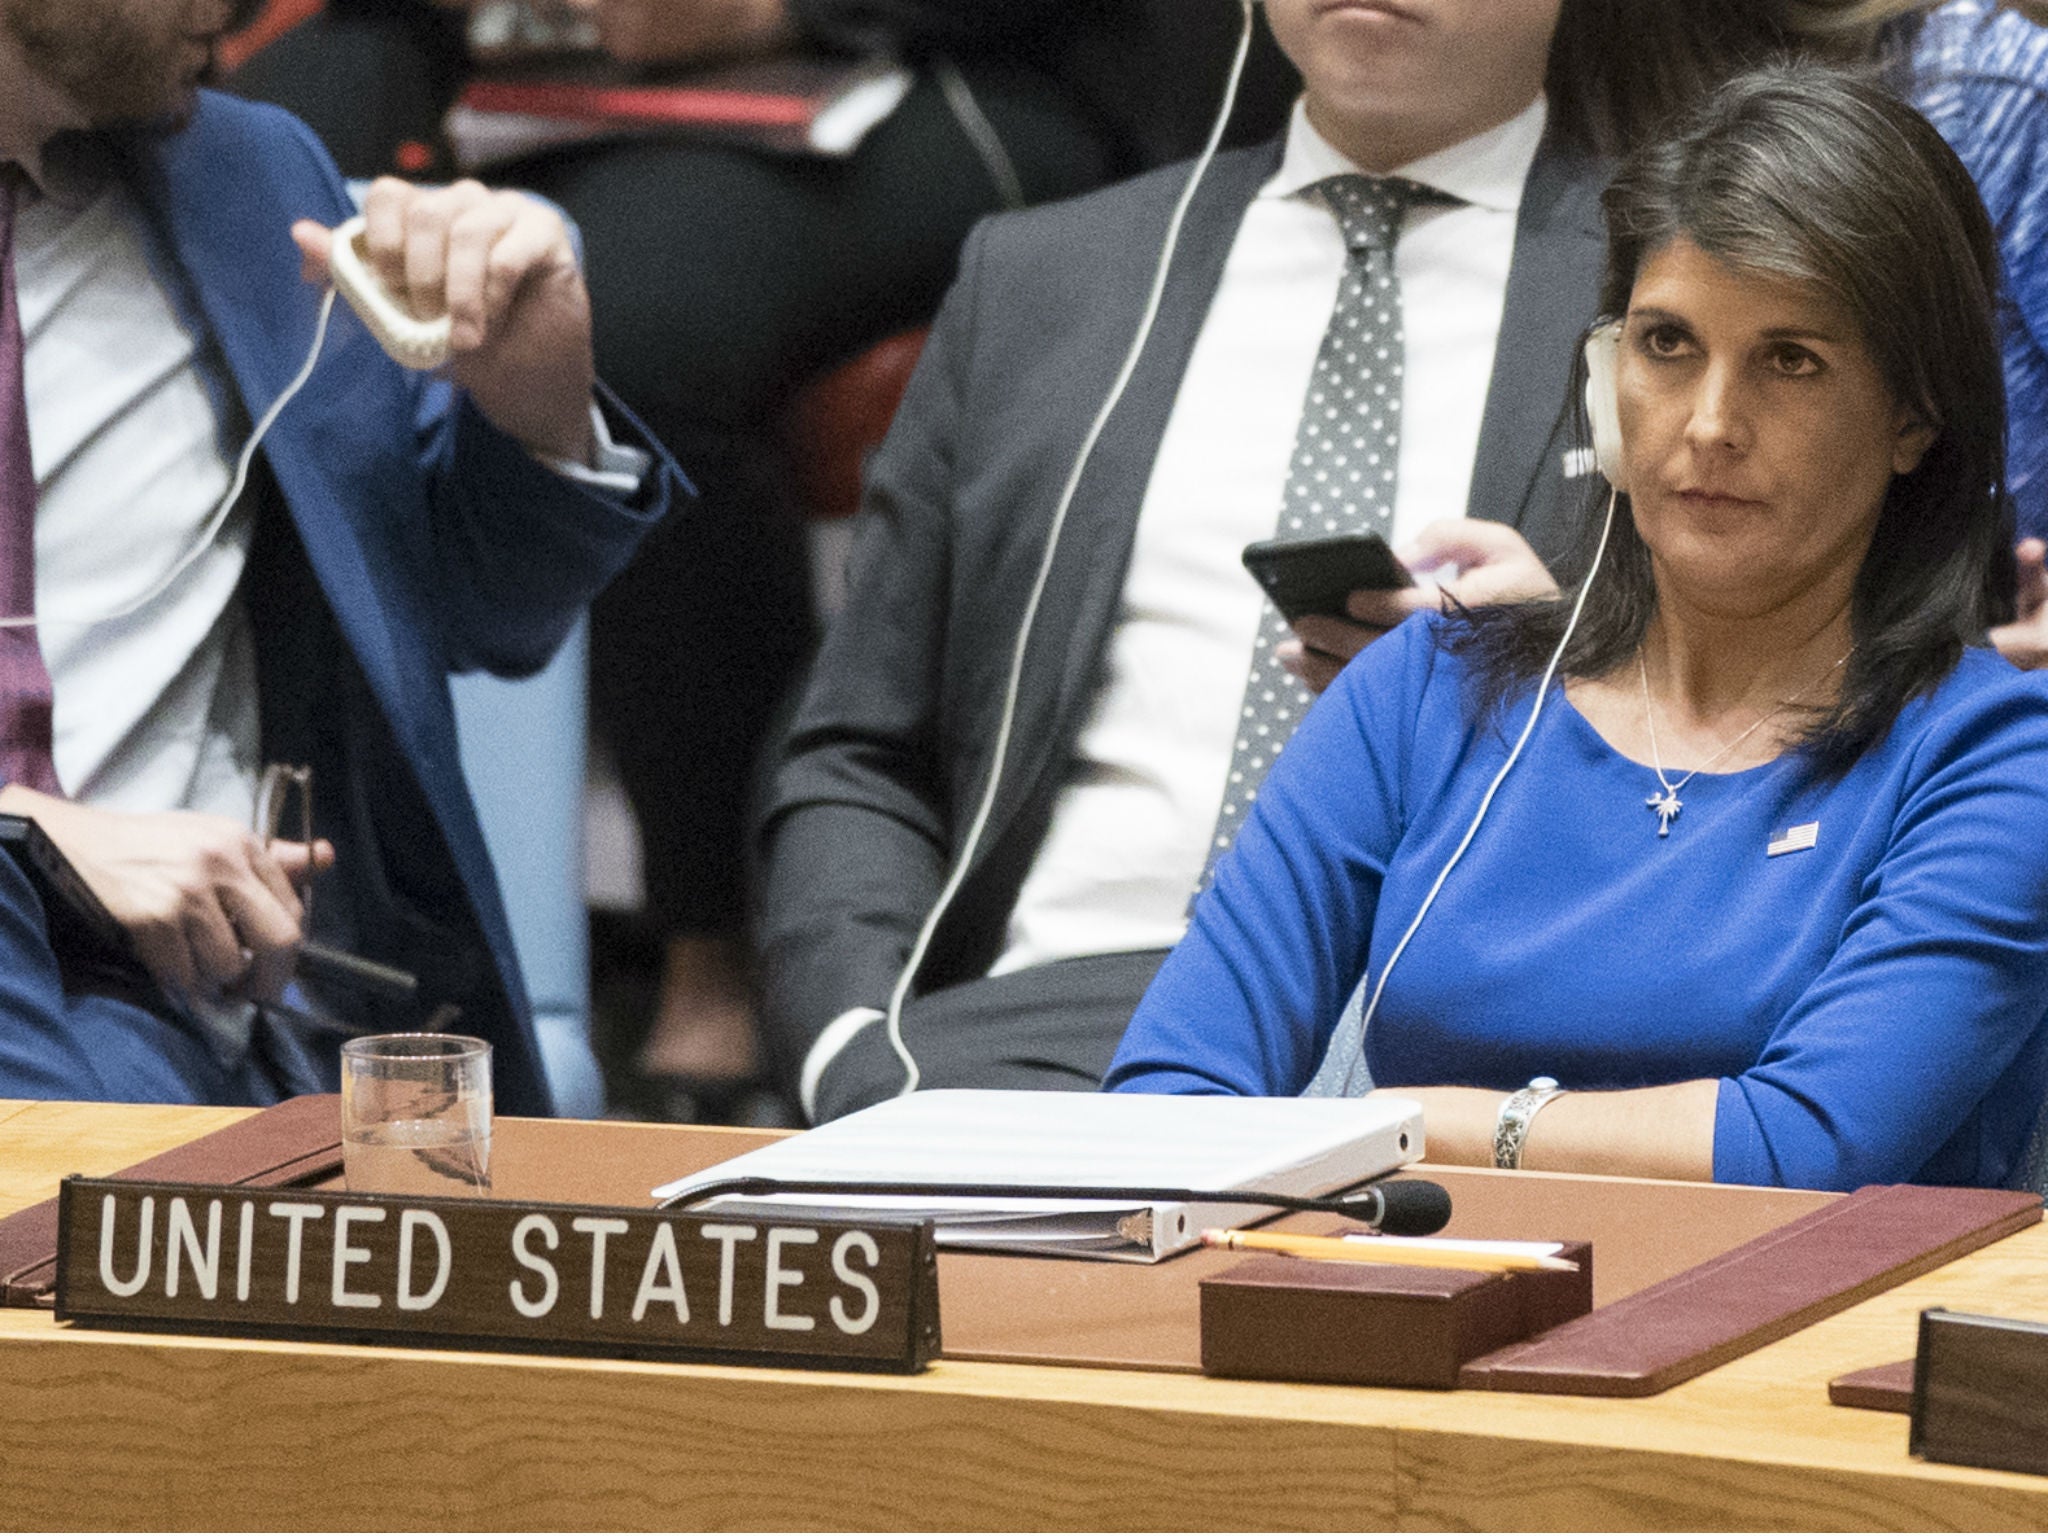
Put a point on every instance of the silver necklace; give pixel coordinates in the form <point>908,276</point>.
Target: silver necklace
<point>1665,803</point>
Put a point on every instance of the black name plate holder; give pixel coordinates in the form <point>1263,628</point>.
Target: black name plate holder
<point>497,1275</point>
<point>1980,1392</point>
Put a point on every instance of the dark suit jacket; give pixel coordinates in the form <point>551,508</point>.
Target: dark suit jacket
<point>888,754</point>
<point>401,537</point>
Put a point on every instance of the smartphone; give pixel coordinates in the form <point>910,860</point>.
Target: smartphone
<point>90,944</point>
<point>1305,576</point>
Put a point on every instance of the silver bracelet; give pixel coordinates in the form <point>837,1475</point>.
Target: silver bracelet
<point>1517,1110</point>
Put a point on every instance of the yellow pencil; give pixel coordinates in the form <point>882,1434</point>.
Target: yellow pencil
<point>1379,1251</point>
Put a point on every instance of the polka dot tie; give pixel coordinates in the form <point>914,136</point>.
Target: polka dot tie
<point>1341,477</point>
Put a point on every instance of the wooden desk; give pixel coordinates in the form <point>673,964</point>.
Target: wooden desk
<point>127,1431</point>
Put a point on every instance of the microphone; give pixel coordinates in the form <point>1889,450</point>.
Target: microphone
<point>1396,1207</point>
<point>1407,1207</point>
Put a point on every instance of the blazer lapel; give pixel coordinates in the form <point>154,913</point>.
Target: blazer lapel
<point>235,276</point>
<point>1071,636</point>
<point>227,259</point>
<point>1553,290</point>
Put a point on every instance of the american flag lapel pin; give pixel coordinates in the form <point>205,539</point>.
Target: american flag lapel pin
<point>1793,840</point>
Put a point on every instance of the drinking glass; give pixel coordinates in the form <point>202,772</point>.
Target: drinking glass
<point>416,1114</point>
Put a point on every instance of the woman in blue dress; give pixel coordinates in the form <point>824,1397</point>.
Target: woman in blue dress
<point>1755,876</point>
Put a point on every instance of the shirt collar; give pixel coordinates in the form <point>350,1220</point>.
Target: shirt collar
<point>1487,170</point>
<point>31,109</point>
<point>76,169</point>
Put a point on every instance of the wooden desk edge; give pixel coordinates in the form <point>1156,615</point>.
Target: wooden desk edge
<point>1697,1454</point>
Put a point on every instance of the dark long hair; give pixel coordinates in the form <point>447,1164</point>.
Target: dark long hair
<point>1797,172</point>
<point>1618,68</point>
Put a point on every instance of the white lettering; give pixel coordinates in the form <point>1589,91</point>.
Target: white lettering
<point>780,1279</point>
<point>182,1236</point>
<point>662,1256</point>
<point>346,1216</point>
<point>727,1236</point>
<point>245,1250</point>
<point>143,1245</point>
<point>410,1222</point>
<point>857,1280</point>
<point>298,1213</point>
<point>598,1228</point>
<point>523,1252</point>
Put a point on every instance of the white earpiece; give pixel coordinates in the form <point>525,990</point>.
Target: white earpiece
<point>412,342</point>
<point>1603,403</point>
<point>1603,416</point>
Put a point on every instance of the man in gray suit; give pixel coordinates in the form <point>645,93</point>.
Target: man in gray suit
<point>1370,325</point>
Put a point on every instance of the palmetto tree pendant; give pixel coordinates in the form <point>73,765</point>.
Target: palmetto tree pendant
<point>1667,805</point>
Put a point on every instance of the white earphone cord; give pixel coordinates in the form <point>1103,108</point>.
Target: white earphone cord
<point>221,512</point>
<point>1486,802</point>
<point>901,991</point>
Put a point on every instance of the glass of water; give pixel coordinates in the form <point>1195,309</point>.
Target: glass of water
<point>416,1114</point>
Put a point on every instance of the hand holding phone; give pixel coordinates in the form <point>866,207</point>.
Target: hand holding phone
<point>1465,560</point>
<point>1318,575</point>
<point>207,910</point>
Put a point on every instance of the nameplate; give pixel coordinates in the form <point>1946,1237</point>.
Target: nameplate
<point>1980,1392</point>
<point>497,1274</point>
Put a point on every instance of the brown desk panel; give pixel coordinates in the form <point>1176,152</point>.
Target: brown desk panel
<point>137,1431</point>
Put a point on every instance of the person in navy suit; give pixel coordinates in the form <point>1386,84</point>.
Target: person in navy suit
<point>396,528</point>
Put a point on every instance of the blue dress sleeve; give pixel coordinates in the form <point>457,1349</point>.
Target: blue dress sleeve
<point>1246,1002</point>
<point>1939,984</point>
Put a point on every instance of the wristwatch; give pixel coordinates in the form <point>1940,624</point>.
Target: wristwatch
<point>1517,1110</point>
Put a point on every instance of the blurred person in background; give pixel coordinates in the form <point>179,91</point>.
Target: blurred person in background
<point>1978,70</point>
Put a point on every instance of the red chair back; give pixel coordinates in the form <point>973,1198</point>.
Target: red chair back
<point>841,417</point>
<point>271,23</point>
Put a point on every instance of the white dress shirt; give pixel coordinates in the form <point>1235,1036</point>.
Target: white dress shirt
<point>155,710</point>
<point>1132,825</point>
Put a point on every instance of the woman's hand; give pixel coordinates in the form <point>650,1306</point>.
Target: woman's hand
<point>683,31</point>
<point>1494,565</point>
<point>2024,642</point>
